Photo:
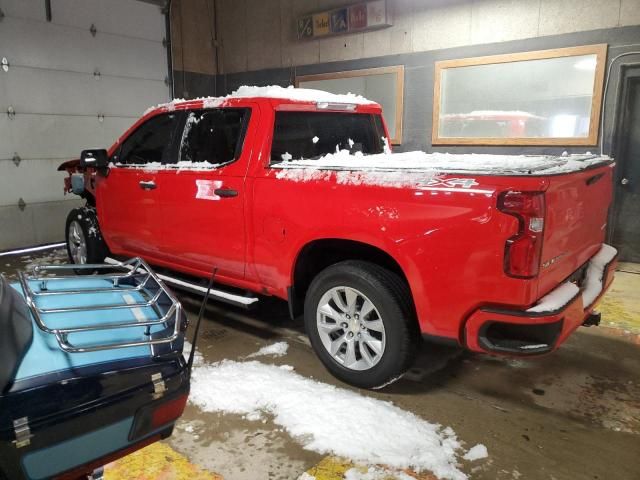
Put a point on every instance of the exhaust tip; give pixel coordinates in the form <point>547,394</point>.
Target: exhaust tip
<point>593,320</point>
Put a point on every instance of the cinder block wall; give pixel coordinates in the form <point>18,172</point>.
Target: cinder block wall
<point>259,34</point>
<point>257,45</point>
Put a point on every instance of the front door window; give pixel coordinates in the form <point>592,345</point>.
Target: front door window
<point>149,144</point>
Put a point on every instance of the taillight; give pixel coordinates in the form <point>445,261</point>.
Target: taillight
<point>155,415</point>
<point>523,251</point>
<point>168,411</point>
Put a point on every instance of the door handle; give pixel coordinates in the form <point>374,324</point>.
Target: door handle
<point>225,192</point>
<point>147,185</point>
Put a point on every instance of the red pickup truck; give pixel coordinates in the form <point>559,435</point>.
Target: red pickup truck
<point>295,194</point>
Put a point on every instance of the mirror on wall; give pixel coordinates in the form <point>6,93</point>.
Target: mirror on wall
<point>532,98</point>
<point>383,85</point>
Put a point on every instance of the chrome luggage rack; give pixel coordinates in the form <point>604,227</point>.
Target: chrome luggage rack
<point>134,275</point>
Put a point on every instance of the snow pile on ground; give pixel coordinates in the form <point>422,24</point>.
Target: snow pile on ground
<point>476,453</point>
<point>277,349</point>
<point>306,476</point>
<point>440,163</point>
<point>327,419</point>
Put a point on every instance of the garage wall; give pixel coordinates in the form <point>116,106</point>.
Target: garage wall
<point>419,79</point>
<point>70,90</point>
<point>257,46</point>
<point>258,34</point>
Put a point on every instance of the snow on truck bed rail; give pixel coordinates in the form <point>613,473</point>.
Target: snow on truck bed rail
<point>437,163</point>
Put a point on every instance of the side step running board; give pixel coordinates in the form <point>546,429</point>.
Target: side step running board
<point>227,297</point>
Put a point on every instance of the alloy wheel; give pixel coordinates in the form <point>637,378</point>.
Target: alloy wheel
<point>350,328</point>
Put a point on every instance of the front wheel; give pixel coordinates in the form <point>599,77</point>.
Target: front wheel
<point>360,321</point>
<point>83,237</point>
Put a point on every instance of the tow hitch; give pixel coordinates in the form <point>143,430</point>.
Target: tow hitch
<point>593,320</point>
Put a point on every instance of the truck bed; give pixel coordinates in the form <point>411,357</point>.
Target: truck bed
<point>445,163</point>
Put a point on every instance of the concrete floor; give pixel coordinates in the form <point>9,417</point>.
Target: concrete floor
<point>574,414</point>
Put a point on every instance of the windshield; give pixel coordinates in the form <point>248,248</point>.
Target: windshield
<point>311,135</point>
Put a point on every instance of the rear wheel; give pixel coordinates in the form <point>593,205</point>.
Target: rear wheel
<point>360,321</point>
<point>83,237</point>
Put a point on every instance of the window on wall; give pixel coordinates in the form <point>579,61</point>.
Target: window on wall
<point>382,85</point>
<point>548,97</point>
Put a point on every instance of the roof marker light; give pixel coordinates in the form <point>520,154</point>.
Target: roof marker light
<point>335,106</point>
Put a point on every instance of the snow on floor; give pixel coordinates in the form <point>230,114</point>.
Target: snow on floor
<point>476,453</point>
<point>441,163</point>
<point>327,419</point>
<point>277,349</point>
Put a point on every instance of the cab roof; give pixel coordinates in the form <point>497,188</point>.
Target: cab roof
<point>278,97</point>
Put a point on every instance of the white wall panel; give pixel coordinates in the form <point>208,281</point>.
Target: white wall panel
<point>35,181</point>
<point>60,136</point>
<point>46,45</point>
<point>57,99</point>
<point>33,9</point>
<point>6,142</point>
<point>32,90</point>
<point>121,17</point>
<point>36,224</point>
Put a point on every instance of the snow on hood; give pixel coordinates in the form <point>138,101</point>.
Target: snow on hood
<point>448,162</point>
<point>272,91</point>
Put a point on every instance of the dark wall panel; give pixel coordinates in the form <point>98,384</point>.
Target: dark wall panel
<point>419,76</point>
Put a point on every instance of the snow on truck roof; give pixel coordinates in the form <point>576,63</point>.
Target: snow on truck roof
<point>275,92</point>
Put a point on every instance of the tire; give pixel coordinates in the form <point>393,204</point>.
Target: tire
<point>84,239</point>
<point>368,352</point>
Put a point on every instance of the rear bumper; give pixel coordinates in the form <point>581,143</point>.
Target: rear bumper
<point>525,332</point>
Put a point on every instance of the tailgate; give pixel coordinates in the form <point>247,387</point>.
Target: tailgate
<point>577,206</point>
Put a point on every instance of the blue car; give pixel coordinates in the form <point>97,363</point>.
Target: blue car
<point>91,367</point>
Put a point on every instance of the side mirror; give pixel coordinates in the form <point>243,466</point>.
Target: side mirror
<point>98,159</point>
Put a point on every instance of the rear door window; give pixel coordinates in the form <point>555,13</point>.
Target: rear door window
<point>213,136</point>
<point>311,135</point>
<point>150,143</point>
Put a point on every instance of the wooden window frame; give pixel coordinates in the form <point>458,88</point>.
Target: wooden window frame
<point>398,70</point>
<point>600,50</point>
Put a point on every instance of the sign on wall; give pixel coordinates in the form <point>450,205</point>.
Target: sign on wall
<point>350,19</point>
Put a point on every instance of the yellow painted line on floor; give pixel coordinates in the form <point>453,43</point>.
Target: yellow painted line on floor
<point>157,462</point>
<point>330,468</point>
<point>620,306</point>
<point>335,468</point>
